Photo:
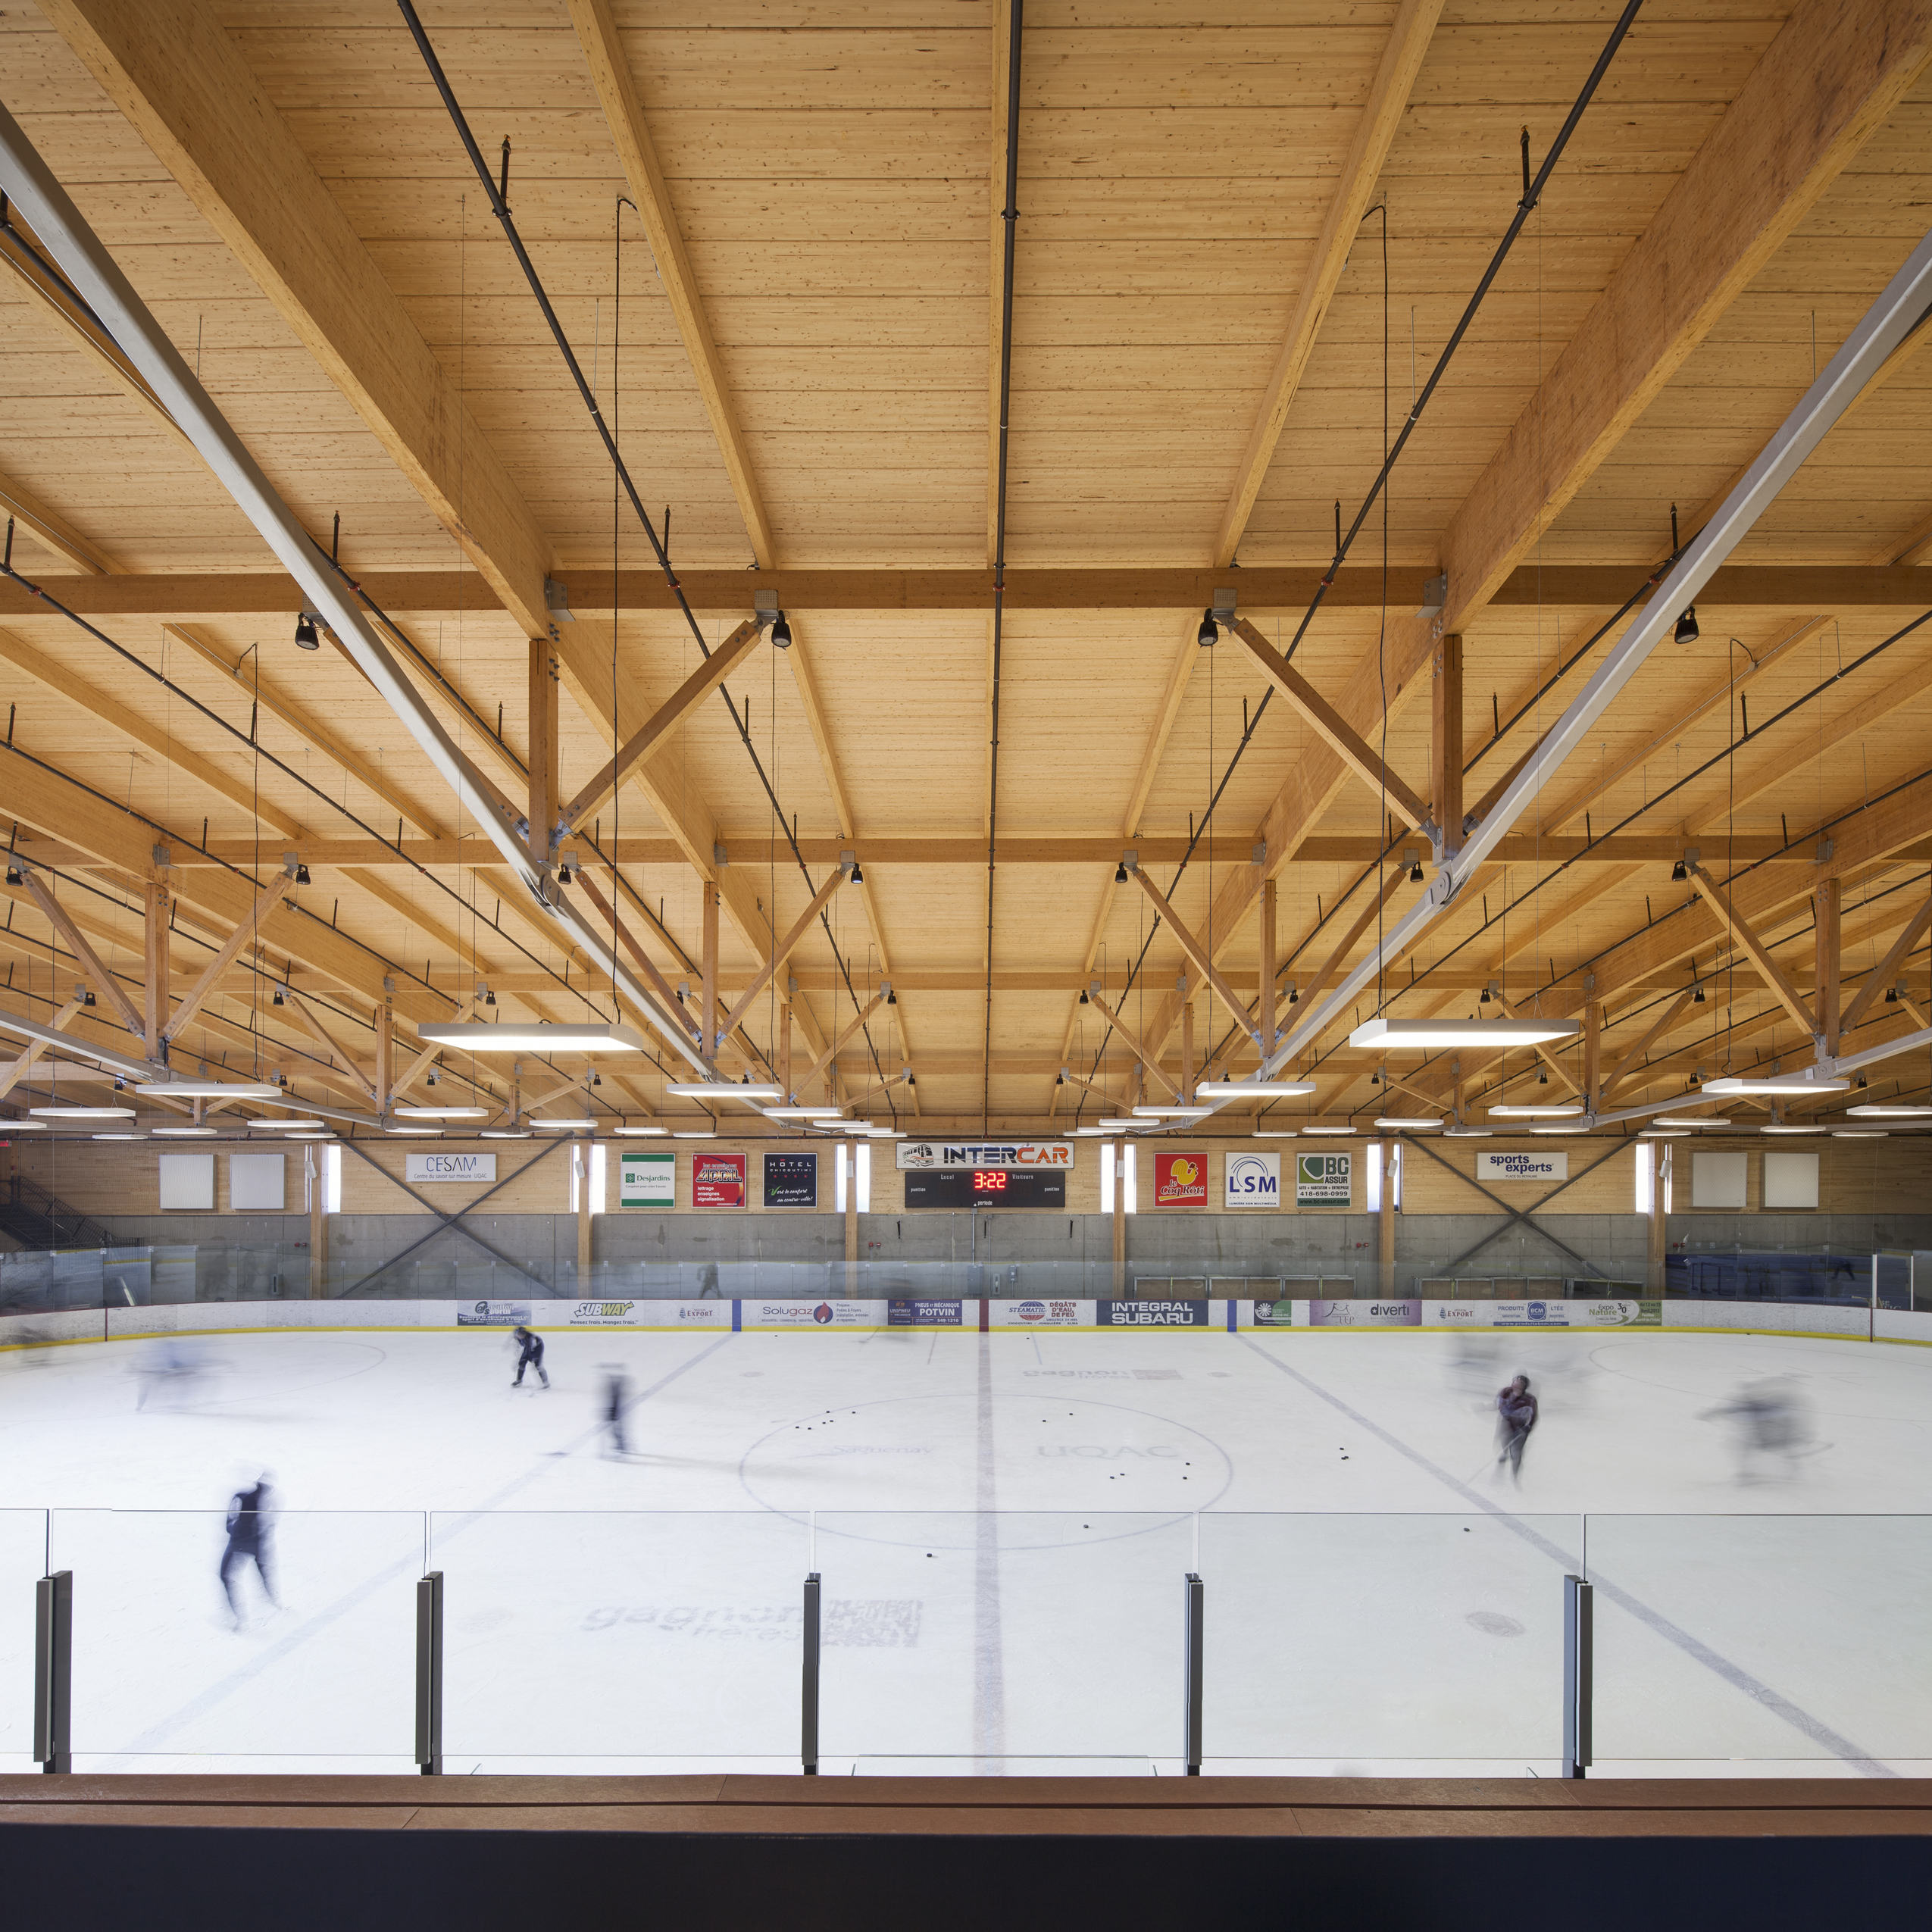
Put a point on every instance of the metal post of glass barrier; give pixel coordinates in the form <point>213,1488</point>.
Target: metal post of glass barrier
<point>1577,1673</point>
<point>53,1671</point>
<point>1195,1600</point>
<point>809,1725</point>
<point>429,1675</point>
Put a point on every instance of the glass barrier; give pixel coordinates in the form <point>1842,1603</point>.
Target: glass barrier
<point>1772,1638</point>
<point>621,1639</point>
<point>285,1645</point>
<point>22,1560</point>
<point>1343,1646</point>
<point>1002,1640</point>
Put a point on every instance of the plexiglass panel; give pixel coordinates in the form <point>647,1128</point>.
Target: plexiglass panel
<point>1382,1644</point>
<point>191,1654</point>
<point>1006,1639</point>
<point>1773,1638</point>
<point>22,1558</point>
<point>628,1635</point>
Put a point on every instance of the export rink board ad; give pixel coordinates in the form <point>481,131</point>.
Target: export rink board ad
<point>1396,1311</point>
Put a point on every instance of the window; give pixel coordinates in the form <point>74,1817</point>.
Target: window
<point>332,1180</point>
<point>595,1149</point>
<point>863,1156</point>
<point>1374,1197</point>
<point>1646,1175</point>
<point>1108,1156</point>
<point>841,1161</point>
<point>1128,1179</point>
<point>1385,1156</point>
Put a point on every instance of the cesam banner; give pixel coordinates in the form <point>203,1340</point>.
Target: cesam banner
<point>1365,1315</point>
<point>1180,1180</point>
<point>985,1154</point>
<point>1041,1315</point>
<point>1252,1180</point>
<point>432,1165</point>
<point>814,1314</point>
<point>1150,1315</point>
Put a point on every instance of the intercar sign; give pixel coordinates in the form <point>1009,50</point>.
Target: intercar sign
<point>1324,1181</point>
<point>1252,1180</point>
<point>985,1154</point>
<point>1180,1180</point>
<point>433,1165</point>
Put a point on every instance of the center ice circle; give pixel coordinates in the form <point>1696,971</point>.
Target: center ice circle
<point>1055,1462</point>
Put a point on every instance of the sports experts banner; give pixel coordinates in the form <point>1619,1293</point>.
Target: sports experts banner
<point>1522,1167</point>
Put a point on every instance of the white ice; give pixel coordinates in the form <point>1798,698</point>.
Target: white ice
<point>1003,1524</point>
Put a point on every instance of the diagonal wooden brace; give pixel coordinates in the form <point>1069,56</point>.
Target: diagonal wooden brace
<point>104,982</point>
<point>211,973</point>
<point>1768,969</point>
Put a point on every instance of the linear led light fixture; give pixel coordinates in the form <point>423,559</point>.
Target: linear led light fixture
<point>1702,1120</point>
<point>1790,1084</point>
<point>428,1130</point>
<point>1156,1113</point>
<point>1663,1133</point>
<point>1277,1133</point>
<point>1415,1123</point>
<point>1559,1110</point>
<point>1425,1035</point>
<point>799,1113</point>
<point>641,1133</point>
<point>573,1122</point>
<point>1576,1127</point>
<point>1328,1129</point>
<point>694,1133</point>
<point>1859,1133</point>
<point>1253,1090</point>
<point>1124,1127</point>
<point>441,1113</point>
<point>1468,1133</point>
<point>212,1090</point>
<point>184,1133</point>
<point>82,1113</point>
<point>507,1038</point>
<point>503,1133</point>
<point>1882,1112</point>
<point>118,1136</point>
<point>745,1090</point>
<point>1782,1126</point>
<point>288,1126</point>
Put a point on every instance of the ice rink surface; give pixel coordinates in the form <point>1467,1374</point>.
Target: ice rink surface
<point>1002,1524</point>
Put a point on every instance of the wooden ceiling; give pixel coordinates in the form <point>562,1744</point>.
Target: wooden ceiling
<point>771,231</point>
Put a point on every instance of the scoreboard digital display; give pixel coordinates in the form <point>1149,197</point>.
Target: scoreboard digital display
<point>990,1187</point>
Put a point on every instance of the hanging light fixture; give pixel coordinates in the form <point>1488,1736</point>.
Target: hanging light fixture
<point>1686,630</point>
<point>305,637</point>
<point>1209,634</point>
<point>1679,873</point>
<point>781,632</point>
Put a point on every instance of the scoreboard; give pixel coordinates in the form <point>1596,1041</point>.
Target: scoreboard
<point>986,1187</point>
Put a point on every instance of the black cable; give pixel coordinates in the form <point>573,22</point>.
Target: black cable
<point>1532,194</point>
<point>1010,215</point>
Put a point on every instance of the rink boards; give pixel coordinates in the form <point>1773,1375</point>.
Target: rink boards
<point>983,1316</point>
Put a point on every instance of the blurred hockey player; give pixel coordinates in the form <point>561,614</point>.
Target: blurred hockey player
<point>169,1370</point>
<point>1772,1428</point>
<point>530,1355</point>
<point>248,1542</point>
<point>616,1398</point>
<point>1516,1416</point>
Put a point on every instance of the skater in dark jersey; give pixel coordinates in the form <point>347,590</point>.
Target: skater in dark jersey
<point>248,1542</point>
<point>530,1355</point>
<point>1516,1416</point>
<point>617,1397</point>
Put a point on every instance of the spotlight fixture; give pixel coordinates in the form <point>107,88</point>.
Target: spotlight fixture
<point>891,998</point>
<point>87,1000</point>
<point>781,633</point>
<point>1679,873</point>
<point>280,998</point>
<point>1686,630</point>
<point>858,877</point>
<point>489,999</point>
<point>302,875</point>
<point>564,873</point>
<point>430,1079</point>
<point>1294,998</point>
<point>14,877</point>
<point>305,637</point>
<point>1085,1001</point>
<point>1415,873</point>
<point>1119,874</point>
<point>1485,999</point>
<point>1891,996</point>
<point>1697,998</point>
<point>1209,634</point>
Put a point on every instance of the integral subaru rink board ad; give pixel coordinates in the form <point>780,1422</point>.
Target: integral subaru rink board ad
<point>1150,1315</point>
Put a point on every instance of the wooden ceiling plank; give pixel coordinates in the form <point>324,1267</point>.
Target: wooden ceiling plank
<point>1828,81</point>
<point>182,79</point>
<point>1408,40</point>
<point>54,532</point>
<point>617,91</point>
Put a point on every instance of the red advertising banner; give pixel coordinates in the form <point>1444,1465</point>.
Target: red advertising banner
<point>717,1181</point>
<point>1180,1180</point>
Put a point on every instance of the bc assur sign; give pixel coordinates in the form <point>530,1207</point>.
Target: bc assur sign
<point>1051,1154</point>
<point>432,1165</point>
<point>1522,1167</point>
<point>1324,1181</point>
